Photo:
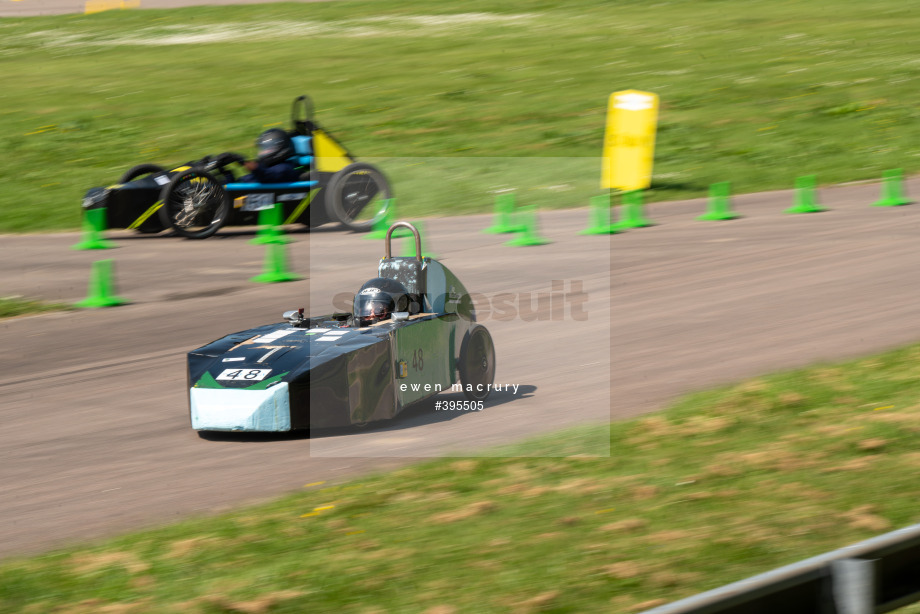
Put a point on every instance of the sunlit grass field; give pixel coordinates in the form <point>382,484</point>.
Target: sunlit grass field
<point>723,485</point>
<point>754,93</point>
<point>12,306</point>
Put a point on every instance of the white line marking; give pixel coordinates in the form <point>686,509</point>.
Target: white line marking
<point>267,354</point>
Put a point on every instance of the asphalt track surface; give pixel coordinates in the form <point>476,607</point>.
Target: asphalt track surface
<point>96,438</point>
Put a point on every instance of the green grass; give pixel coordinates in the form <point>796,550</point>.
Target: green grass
<point>12,306</point>
<point>754,94</point>
<point>723,485</point>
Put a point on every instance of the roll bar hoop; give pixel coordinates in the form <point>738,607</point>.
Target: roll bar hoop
<point>418,239</point>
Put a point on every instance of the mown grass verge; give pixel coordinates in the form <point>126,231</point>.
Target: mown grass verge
<point>722,485</point>
<point>12,306</point>
<point>754,96</point>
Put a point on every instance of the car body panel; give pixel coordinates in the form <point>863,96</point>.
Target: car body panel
<point>134,204</point>
<point>421,349</point>
<point>228,409</point>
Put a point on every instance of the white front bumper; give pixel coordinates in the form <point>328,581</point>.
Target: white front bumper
<point>233,409</point>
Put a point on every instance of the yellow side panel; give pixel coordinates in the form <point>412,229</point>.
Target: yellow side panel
<point>629,141</point>
<point>329,155</point>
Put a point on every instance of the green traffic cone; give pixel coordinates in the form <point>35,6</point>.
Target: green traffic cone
<point>804,198</point>
<point>409,244</point>
<point>383,222</point>
<point>719,205</point>
<point>599,217</point>
<point>504,216</point>
<point>892,189</point>
<point>527,235</point>
<point>101,287</point>
<point>93,227</point>
<point>632,215</point>
<point>270,230</point>
<point>275,267</point>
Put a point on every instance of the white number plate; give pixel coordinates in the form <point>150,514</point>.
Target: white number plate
<point>246,375</point>
<point>294,196</point>
<point>257,202</point>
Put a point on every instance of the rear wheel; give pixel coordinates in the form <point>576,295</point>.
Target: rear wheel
<point>195,204</point>
<point>355,196</point>
<point>477,364</point>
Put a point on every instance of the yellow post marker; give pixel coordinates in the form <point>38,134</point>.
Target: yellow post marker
<point>629,140</point>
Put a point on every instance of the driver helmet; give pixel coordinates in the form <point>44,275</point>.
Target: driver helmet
<point>274,146</point>
<point>378,299</point>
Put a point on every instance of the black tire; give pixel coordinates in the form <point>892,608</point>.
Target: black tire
<point>477,364</point>
<point>357,188</point>
<point>195,204</point>
<point>139,171</point>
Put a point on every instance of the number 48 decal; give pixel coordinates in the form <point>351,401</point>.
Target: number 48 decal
<point>246,375</point>
<point>418,361</point>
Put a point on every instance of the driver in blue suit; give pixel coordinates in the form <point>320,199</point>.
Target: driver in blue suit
<point>272,164</point>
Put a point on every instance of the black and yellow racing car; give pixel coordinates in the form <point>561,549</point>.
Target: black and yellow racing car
<point>198,198</point>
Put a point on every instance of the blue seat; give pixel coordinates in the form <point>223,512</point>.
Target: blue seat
<point>303,146</point>
<point>251,187</point>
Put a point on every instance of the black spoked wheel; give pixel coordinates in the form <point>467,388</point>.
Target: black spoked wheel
<point>195,204</point>
<point>355,196</point>
<point>136,172</point>
<point>477,364</point>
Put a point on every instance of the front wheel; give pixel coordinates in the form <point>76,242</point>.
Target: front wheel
<point>136,172</point>
<point>195,204</point>
<point>356,195</point>
<point>477,364</point>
